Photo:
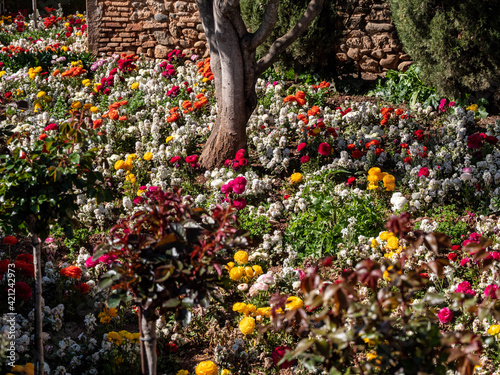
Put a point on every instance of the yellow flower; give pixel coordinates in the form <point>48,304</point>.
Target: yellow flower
<point>230,265</point>
<point>393,243</point>
<point>119,164</point>
<point>236,273</point>
<point>473,107</point>
<point>2,73</point>
<point>264,312</point>
<point>293,303</point>
<point>389,182</point>
<point>249,272</point>
<point>94,109</point>
<point>41,94</point>
<point>182,372</point>
<point>296,177</point>
<point>87,106</point>
<point>134,85</point>
<point>131,157</point>
<point>241,257</point>
<point>250,309</point>
<point>386,276</point>
<point>371,356</point>
<point>204,79</point>
<point>38,106</point>
<point>247,325</point>
<point>225,372</point>
<point>131,178</point>
<point>38,69</point>
<point>148,156</point>
<point>494,330</point>
<point>373,179</point>
<point>127,165</point>
<point>257,270</point>
<point>372,186</point>
<point>239,307</point>
<point>384,236</point>
<point>374,243</point>
<point>206,368</point>
<point>86,82</point>
<point>64,48</point>
<point>168,139</point>
<point>115,338</point>
<point>66,24</point>
<point>140,192</point>
<point>76,105</point>
<point>375,172</point>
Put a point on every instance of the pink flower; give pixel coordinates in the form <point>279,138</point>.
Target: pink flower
<point>240,203</point>
<point>51,127</point>
<point>225,189</point>
<point>278,355</point>
<point>175,159</point>
<point>491,291</point>
<point>466,288</point>
<point>464,261</point>
<point>424,171</point>
<point>324,149</point>
<point>445,315</point>
<point>350,181</point>
<point>192,159</point>
<point>301,146</point>
<point>305,159</point>
<point>451,104</point>
<point>91,263</point>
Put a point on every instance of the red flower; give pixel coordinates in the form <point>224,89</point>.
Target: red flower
<point>28,258</point>
<point>83,288</point>
<point>23,291</point>
<point>356,154</point>
<point>41,137</point>
<point>301,146</point>
<point>192,159</point>
<point>351,147</point>
<point>424,171</point>
<point>456,247</point>
<point>474,141</point>
<point>350,181</point>
<point>324,149</point>
<point>72,271</point>
<point>10,240</point>
<point>491,140</point>
<point>419,134</point>
<point>24,268</point>
<point>452,257</point>
<point>305,159</point>
<point>175,159</point>
<point>96,124</point>
<point>491,291</point>
<point>4,265</point>
<point>445,315</point>
<point>407,160</point>
<point>171,347</point>
<point>240,203</point>
<point>278,354</point>
<point>50,127</point>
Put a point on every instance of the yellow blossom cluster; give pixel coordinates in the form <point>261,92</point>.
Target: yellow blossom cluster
<point>390,244</point>
<point>296,178</point>
<point>118,337</point>
<point>107,314</point>
<point>375,175</point>
<point>33,72</point>
<point>206,368</point>
<point>236,273</point>
<point>28,369</point>
<point>127,165</point>
<point>250,309</point>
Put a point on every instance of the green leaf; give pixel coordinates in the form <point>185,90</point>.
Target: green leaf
<point>75,158</point>
<point>114,300</point>
<point>105,283</point>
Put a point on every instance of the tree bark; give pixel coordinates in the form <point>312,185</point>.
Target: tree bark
<point>37,263</point>
<point>235,69</point>
<point>148,341</point>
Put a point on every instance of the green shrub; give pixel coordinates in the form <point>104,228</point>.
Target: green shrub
<point>455,42</point>
<point>313,50</point>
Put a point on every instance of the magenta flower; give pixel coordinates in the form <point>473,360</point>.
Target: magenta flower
<point>491,291</point>
<point>445,315</point>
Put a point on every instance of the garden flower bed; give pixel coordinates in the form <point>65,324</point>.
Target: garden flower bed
<point>369,234</point>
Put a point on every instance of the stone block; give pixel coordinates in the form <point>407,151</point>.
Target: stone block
<point>367,64</point>
<point>374,28</point>
<point>403,67</point>
<point>354,53</point>
<point>378,54</point>
<point>342,57</point>
<point>161,52</point>
<point>390,61</point>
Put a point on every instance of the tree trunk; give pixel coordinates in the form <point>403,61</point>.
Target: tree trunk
<point>34,13</point>
<point>232,60</point>
<point>37,263</point>
<point>148,341</point>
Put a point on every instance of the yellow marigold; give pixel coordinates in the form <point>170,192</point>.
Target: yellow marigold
<point>249,272</point>
<point>127,165</point>
<point>41,94</point>
<point>247,325</point>
<point>389,182</point>
<point>241,257</point>
<point>296,178</point>
<point>239,307</point>
<point>376,173</point>
<point>168,139</point>
<point>250,309</point>
<point>392,243</point>
<point>182,372</point>
<point>263,311</point>
<point>257,270</point>
<point>86,82</point>
<point>384,236</point>
<point>94,109</point>
<point>115,338</point>
<point>494,330</point>
<point>2,73</point>
<point>236,273</point>
<point>76,105</point>
<point>131,157</point>
<point>134,85</point>
<point>131,178</point>
<point>374,243</point>
<point>372,186</point>
<point>206,368</point>
<point>225,372</point>
<point>38,69</point>
<point>148,156</point>
<point>87,106</point>
<point>473,107</point>
<point>371,356</point>
<point>119,164</point>
<point>386,276</point>
<point>293,303</point>
<point>230,265</point>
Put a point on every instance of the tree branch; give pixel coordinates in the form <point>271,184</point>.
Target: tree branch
<point>313,9</point>
<point>266,27</point>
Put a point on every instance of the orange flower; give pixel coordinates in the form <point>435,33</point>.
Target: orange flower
<point>301,101</point>
<point>314,111</point>
<point>113,115</point>
<point>72,271</point>
<point>300,94</point>
<point>290,98</point>
<point>56,72</point>
<point>97,123</point>
<point>186,104</point>
<point>122,118</point>
<point>399,112</point>
<point>173,109</point>
<point>173,117</point>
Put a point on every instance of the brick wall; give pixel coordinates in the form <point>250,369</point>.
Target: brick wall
<point>155,27</point>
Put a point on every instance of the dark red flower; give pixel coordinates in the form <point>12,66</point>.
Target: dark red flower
<point>278,355</point>
<point>23,291</point>
<point>10,240</point>
<point>324,149</point>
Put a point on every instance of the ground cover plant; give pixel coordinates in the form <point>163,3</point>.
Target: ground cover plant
<point>355,239</point>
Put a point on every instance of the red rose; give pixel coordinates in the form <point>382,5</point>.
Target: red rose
<point>301,146</point>
<point>28,258</point>
<point>474,141</point>
<point>278,354</point>
<point>407,160</point>
<point>456,247</point>
<point>304,159</point>
<point>50,127</point>
<point>175,159</point>
<point>10,240</point>
<point>424,171</point>
<point>72,271</point>
<point>452,257</point>
<point>23,291</point>
<point>445,315</point>
<point>324,149</point>
<point>171,347</point>
<point>192,159</point>
<point>356,154</point>
<point>350,181</point>
<point>24,268</point>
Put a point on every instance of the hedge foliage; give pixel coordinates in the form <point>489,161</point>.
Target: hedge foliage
<point>455,42</point>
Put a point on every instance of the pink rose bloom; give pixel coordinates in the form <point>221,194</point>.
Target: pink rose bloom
<point>491,291</point>
<point>445,315</point>
<point>305,159</point>
<point>239,189</point>
<point>301,146</point>
<point>465,287</point>
<point>324,149</point>
<point>225,189</point>
<point>240,181</point>
<point>240,203</point>
<point>278,355</point>
<point>464,261</point>
<point>91,263</point>
<point>423,172</point>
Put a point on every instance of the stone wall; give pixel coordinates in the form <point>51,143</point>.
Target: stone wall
<point>155,27</point>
